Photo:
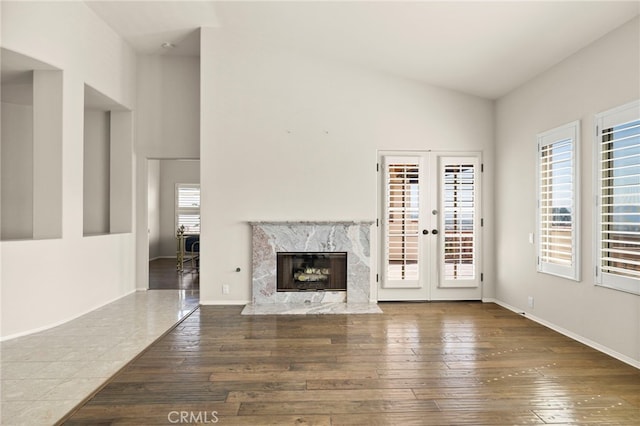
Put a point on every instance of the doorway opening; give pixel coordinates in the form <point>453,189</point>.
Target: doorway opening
<point>173,223</point>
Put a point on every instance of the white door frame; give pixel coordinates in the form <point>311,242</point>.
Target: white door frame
<point>431,287</point>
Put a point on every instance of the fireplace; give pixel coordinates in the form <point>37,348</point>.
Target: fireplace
<point>348,240</point>
<point>311,271</point>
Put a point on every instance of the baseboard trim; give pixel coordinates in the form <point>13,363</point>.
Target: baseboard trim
<point>64,321</point>
<point>224,302</point>
<point>577,337</point>
<point>162,257</point>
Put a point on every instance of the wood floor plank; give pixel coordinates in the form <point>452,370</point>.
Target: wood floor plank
<point>167,392</point>
<point>611,416</point>
<point>551,402</point>
<point>308,376</point>
<point>398,365</point>
<point>154,377</point>
<point>407,383</point>
<point>157,411</point>
<point>163,274</point>
<point>321,395</point>
<point>336,407</point>
<point>415,364</point>
<point>437,418</point>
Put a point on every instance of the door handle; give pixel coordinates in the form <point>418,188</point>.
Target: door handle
<point>425,232</point>
<point>434,232</point>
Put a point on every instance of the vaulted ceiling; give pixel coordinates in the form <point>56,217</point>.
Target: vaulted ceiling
<point>482,48</point>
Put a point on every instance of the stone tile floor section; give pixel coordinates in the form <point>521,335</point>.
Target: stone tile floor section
<point>46,374</point>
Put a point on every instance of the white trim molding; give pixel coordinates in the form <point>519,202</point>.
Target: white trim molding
<point>577,337</point>
<point>64,321</point>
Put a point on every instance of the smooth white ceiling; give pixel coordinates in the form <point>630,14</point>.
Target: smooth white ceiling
<point>482,48</point>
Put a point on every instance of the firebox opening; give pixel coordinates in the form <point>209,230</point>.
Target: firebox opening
<point>311,271</point>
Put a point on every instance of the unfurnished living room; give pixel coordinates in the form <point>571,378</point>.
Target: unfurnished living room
<point>320,212</point>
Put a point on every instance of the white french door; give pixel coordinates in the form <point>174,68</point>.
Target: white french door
<point>430,226</point>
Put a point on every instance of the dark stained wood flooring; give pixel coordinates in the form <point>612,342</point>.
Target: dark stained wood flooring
<point>416,364</point>
<point>163,275</point>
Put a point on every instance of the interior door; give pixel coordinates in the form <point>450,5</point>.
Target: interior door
<point>430,226</point>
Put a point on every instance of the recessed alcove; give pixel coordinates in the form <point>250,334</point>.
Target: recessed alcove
<point>31,150</point>
<point>107,165</point>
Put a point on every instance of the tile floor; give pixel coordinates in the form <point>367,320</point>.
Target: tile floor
<point>45,375</point>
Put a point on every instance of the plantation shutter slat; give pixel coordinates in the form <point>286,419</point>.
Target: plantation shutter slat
<point>401,222</point>
<point>619,193</point>
<point>557,201</point>
<point>188,207</point>
<point>459,211</point>
<point>556,217</point>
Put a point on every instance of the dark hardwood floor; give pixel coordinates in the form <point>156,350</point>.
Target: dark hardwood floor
<point>163,275</point>
<point>418,363</point>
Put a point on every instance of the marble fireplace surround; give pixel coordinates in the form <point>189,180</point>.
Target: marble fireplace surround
<point>352,237</point>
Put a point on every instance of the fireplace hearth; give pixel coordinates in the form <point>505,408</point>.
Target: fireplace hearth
<point>308,292</point>
<point>311,271</point>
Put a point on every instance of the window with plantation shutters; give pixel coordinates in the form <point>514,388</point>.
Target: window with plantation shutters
<point>401,225</point>
<point>188,207</point>
<point>459,211</point>
<point>618,198</point>
<point>557,214</point>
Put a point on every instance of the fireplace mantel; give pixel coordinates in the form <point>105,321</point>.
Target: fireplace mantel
<point>271,237</point>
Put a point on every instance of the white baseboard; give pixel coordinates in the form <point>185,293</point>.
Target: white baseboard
<point>162,257</point>
<point>577,337</point>
<point>224,302</point>
<point>64,321</point>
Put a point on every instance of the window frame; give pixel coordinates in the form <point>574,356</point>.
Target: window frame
<point>626,113</point>
<point>558,135</point>
<point>186,210</point>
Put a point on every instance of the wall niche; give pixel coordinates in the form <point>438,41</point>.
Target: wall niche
<point>107,165</point>
<point>30,149</point>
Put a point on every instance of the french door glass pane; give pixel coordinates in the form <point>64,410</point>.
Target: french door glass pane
<point>402,216</point>
<point>459,210</point>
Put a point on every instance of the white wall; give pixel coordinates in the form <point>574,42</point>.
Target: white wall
<point>47,153</point>
<point>599,77</point>
<point>171,173</point>
<point>97,164</point>
<point>17,171</point>
<point>74,274</point>
<point>287,136</point>
<point>153,208</point>
<point>168,108</point>
<point>167,127</point>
